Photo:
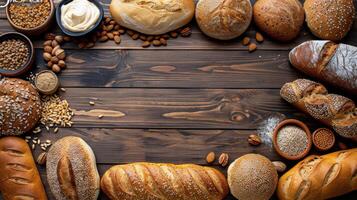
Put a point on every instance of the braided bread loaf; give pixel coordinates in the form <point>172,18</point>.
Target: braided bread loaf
<point>320,177</point>
<point>149,181</point>
<point>333,110</point>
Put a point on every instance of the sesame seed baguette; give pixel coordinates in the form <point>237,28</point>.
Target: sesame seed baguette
<point>320,177</point>
<point>327,61</point>
<point>142,181</point>
<point>19,177</point>
<point>71,170</point>
<point>333,110</point>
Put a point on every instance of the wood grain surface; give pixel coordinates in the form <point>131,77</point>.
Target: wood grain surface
<point>175,103</point>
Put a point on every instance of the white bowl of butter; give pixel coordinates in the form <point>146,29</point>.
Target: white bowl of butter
<point>79,17</point>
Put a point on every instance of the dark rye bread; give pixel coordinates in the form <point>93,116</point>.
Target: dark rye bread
<point>20,106</point>
<point>329,19</point>
<point>280,19</point>
<point>71,170</point>
<point>327,61</point>
<point>333,110</point>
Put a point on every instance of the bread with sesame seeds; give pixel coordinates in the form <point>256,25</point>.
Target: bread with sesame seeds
<point>329,19</point>
<point>333,110</point>
<point>327,61</point>
<point>320,177</point>
<point>280,19</point>
<point>20,106</point>
<point>71,170</point>
<point>19,177</point>
<point>150,181</point>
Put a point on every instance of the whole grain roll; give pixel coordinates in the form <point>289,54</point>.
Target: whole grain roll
<point>223,19</point>
<point>280,19</point>
<point>329,19</point>
<point>152,17</point>
<point>20,106</point>
<point>252,176</point>
<point>71,170</point>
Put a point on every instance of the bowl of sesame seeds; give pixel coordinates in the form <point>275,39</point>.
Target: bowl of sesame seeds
<point>17,54</point>
<point>31,17</point>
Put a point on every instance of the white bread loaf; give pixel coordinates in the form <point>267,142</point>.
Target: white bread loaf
<point>152,17</point>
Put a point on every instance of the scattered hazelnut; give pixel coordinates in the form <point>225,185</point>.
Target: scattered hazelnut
<point>254,140</point>
<point>223,159</point>
<point>211,156</point>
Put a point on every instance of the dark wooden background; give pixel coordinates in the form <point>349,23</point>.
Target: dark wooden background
<point>176,103</point>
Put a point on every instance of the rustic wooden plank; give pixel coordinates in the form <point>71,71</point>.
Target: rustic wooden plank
<point>175,108</point>
<point>174,69</point>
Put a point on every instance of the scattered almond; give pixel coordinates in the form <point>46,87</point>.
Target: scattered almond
<point>146,44</point>
<point>246,41</point>
<point>211,156</point>
<point>103,38</point>
<point>156,42</point>
<point>259,37</point>
<point>117,39</point>
<point>252,47</point>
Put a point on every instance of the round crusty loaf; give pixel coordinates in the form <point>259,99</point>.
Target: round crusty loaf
<point>280,19</point>
<point>252,176</point>
<point>71,170</point>
<point>224,19</point>
<point>20,106</point>
<point>152,17</point>
<point>329,19</point>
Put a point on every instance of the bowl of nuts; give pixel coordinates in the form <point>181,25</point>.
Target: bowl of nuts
<point>16,54</point>
<point>31,17</point>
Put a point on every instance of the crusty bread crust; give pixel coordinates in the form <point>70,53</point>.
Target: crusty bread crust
<point>71,170</point>
<point>152,17</point>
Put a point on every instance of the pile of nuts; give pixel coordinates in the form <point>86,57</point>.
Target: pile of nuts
<point>53,54</point>
<point>252,46</point>
<point>29,16</point>
<point>223,159</point>
<point>14,54</point>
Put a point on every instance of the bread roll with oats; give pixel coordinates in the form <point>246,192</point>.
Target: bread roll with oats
<point>224,19</point>
<point>152,17</point>
<point>71,170</point>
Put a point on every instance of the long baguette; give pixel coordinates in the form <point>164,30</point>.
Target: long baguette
<point>327,61</point>
<point>333,110</point>
<point>142,181</point>
<point>320,177</point>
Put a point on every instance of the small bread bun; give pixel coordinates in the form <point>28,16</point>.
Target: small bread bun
<point>20,106</point>
<point>252,176</point>
<point>280,19</point>
<point>72,171</point>
<point>329,19</point>
<point>224,19</point>
<point>152,17</point>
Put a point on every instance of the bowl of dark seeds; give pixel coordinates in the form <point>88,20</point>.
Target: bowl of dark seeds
<point>16,54</point>
<point>292,139</point>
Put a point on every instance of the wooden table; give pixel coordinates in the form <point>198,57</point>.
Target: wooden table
<point>176,103</point>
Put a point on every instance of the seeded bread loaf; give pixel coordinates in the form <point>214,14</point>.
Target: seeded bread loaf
<point>152,17</point>
<point>329,19</point>
<point>280,19</point>
<point>142,181</point>
<point>71,170</point>
<point>320,177</point>
<point>327,61</point>
<point>224,19</point>
<point>19,177</point>
<point>333,110</point>
<point>20,106</point>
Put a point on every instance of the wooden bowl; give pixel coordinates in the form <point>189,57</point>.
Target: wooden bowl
<point>78,34</point>
<point>31,57</point>
<point>51,91</point>
<point>299,124</point>
<point>36,31</point>
<point>319,147</point>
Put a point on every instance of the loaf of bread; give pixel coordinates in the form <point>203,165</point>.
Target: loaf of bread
<point>19,177</point>
<point>142,181</point>
<point>333,110</point>
<point>152,17</point>
<point>224,19</point>
<point>329,19</point>
<point>320,177</point>
<point>20,106</point>
<point>327,61</point>
<point>71,170</point>
<point>280,19</point>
